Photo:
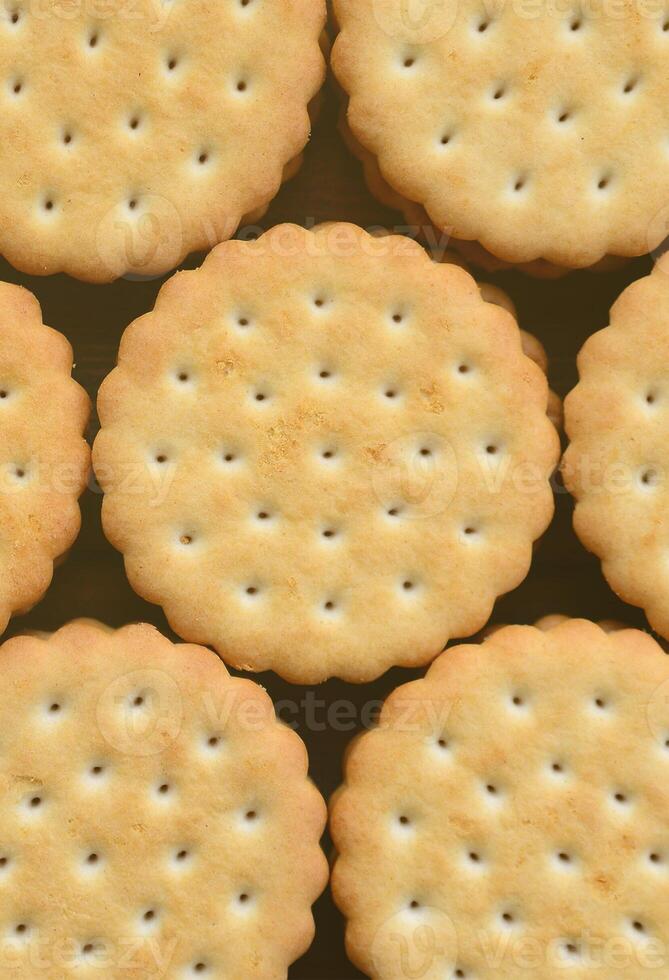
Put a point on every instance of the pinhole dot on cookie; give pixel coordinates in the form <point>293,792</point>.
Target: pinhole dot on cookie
<point>499,92</point>
<point>604,182</point>
<point>34,803</point>
<point>93,38</point>
<point>620,799</point>
<point>656,859</point>
<point>519,184</point>
<point>630,85</point>
<point>648,478</point>
<point>183,378</point>
<point>242,86</point>
<point>251,593</point>
<point>442,745</point>
<point>564,860</point>
<point>17,86</point>
<point>171,63</point>
<point>21,929</point>
<point>571,949</point>
<point>92,949</point>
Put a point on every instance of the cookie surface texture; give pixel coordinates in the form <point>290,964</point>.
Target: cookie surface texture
<point>509,816</point>
<point>324,454</point>
<point>135,139</point>
<point>617,463</point>
<point>156,819</point>
<point>536,131</point>
<point>44,459</point>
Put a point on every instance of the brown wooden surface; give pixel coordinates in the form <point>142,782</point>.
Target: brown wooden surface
<point>92,582</point>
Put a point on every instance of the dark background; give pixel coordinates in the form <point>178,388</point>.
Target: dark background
<point>92,583</point>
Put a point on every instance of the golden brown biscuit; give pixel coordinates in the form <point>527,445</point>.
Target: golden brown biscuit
<point>509,816</point>
<point>143,131</point>
<point>535,132</point>
<point>44,459</point>
<point>617,464</point>
<point>324,454</point>
<point>156,818</point>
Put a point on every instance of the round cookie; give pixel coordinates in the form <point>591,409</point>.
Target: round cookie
<point>324,454</point>
<point>44,458</point>
<point>509,816</point>
<point>538,134</point>
<point>617,463</point>
<point>156,818</point>
<point>136,140</point>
